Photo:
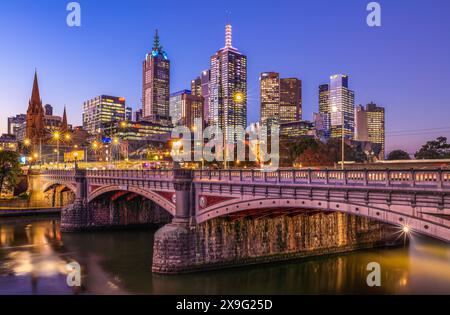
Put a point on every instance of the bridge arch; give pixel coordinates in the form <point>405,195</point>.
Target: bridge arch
<point>427,225</point>
<point>49,185</point>
<point>157,199</point>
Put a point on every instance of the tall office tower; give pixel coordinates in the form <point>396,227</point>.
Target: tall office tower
<point>290,100</point>
<point>35,128</point>
<point>175,106</point>
<point>270,97</point>
<point>200,87</point>
<point>370,125</point>
<point>185,108</point>
<point>325,110</point>
<point>228,89</point>
<point>48,109</point>
<point>156,83</point>
<point>102,110</point>
<point>342,105</point>
<point>281,98</point>
<point>196,86</point>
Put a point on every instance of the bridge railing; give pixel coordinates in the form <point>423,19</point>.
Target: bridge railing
<point>135,174</point>
<point>394,178</point>
<point>59,173</point>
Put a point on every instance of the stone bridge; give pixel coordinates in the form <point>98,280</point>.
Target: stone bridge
<point>210,199</point>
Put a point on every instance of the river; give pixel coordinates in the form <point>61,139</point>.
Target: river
<point>34,256</point>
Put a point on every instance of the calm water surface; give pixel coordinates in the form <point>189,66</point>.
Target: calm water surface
<point>34,254</point>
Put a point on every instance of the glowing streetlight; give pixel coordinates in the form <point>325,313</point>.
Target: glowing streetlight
<point>123,124</point>
<point>238,97</point>
<point>406,229</point>
<point>57,136</point>
<point>27,142</point>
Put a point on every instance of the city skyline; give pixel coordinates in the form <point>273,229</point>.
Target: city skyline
<point>399,90</point>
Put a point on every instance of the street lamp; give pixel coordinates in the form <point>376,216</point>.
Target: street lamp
<point>57,137</point>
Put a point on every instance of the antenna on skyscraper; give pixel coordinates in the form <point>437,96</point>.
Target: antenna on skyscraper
<point>228,32</point>
<point>228,17</point>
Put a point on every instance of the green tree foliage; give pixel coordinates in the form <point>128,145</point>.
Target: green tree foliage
<point>397,155</point>
<point>321,154</point>
<point>436,149</point>
<point>9,169</point>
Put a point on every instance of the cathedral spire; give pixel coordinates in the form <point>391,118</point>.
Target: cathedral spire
<point>64,125</point>
<point>35,95</point>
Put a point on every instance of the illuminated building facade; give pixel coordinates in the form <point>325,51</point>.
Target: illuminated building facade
<point>296,129</point>
<point>370,126</point>
<point>290,100</point>
<point>228,89</point>
<point>270,97</point>
<point>342,106</point>
<point>200,87</point>
<point>281,98</point>
<point>185,108</point>
<point>324,115</point>
<point>156,83</point>
<point>137,131</point>
<point>101,110</point>
<point>15,123</point>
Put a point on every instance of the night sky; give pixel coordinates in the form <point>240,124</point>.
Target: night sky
<point>404,65</point>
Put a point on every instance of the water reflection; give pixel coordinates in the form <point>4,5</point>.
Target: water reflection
<point>33,259</point>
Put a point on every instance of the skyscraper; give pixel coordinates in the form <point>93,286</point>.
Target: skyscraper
<point>370,125</point>
<point>324,116</point>
<point>270,97</point>
<point>102,110</point>
<point>228,89</point>
<point>35,128</point>
<point>185,108</point>
<point>196,86</point>
<point>290,100</point>
<point>156,83</point>
<point>281,98</point>
<point>200,87</point>
<point>342,106</point>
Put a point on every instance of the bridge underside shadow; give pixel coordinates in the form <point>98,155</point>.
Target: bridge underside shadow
<point>114,209</point>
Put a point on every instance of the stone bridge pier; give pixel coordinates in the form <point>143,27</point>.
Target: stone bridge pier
<point>75,216</point>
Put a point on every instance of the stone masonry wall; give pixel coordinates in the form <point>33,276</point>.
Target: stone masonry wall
<point>106,213</point>
<point>221,242</point>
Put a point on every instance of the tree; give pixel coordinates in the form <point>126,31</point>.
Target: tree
<point>315,156</point>
<point>9,169</point>
<point>298,147</point>
<point>397,155</point>
<point>436,149</point>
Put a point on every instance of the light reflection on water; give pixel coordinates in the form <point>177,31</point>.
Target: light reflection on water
<point>34,254</point>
